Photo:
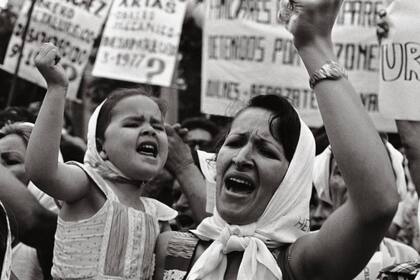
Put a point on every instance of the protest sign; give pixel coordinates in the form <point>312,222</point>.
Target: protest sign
<point>140,41</point>
<point>400,64</point>
<point>70,25</point>
<point>246,52</point>
<point>3,4</point>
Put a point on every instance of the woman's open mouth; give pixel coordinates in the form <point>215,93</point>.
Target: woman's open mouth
<point>147,148</point>
<point>239,185</point>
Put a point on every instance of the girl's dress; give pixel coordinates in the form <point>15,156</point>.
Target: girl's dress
<point>116,243</point>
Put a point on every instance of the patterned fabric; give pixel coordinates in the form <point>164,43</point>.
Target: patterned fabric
<point>402,271</point>
<point>115,243</point>
<point>180,252</point>
<point>181,249</point>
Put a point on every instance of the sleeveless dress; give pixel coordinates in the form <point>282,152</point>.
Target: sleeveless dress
<point>115,243</point>
<point>181,249</point>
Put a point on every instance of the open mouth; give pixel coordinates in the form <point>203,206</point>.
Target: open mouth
<point>148,149</point>
<point>239,185</point>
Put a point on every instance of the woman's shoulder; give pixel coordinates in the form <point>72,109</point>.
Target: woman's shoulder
<point>174,254</point>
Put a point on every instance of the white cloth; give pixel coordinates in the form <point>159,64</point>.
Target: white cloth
<point>321,172</point>
<point>285,219</point>
<point>321,175</point>
<point>7,261</point>
<point>25,264</point>
<point>390,252</point>
<point>103,167</point>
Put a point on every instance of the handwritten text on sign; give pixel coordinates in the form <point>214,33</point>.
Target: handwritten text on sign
<point>140,41</point>
<point>246,52</point>
<point>400,62</point>
<point>70,25</point>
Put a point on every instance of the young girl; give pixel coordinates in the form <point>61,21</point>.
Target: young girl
<point>105,229</point>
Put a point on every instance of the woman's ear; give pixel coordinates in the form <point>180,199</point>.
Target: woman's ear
<point>100,149</point>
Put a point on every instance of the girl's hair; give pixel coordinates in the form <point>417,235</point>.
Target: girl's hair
<point>21,130</point>
<point>284,122</point>
<point>105,114</point>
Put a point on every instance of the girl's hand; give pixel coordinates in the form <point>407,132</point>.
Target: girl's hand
<point>312,20</point>
<point>47,62</point>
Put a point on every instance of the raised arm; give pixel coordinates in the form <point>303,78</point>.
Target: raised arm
<point>63,182</point>
<point>181,165</point>
<point>351,234</point>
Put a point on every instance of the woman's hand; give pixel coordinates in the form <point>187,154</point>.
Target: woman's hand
<point>382,27</point>
<point>47,61</point>
<point>179,156</point>
<point>312,20</point>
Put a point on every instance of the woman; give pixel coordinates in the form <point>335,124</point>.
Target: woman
<point>264,182</point>
<point>31,223</point>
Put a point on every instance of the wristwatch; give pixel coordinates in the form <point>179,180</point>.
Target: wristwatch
<point>331,70</point>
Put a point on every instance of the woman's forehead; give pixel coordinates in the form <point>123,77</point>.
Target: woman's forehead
<point>252,120</point>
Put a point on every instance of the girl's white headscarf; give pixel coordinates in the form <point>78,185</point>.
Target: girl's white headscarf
<point>321,175</point>
<point>105,168</point>
<point>285,219</point>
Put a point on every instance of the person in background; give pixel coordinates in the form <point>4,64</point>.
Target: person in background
<point>28,263</point>
<point>329,182</point>
<point>201,133</point>
<point>30,223</point>
<point>319,211</point>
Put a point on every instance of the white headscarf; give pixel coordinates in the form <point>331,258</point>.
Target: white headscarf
<point>285,219</point>
<point>321,175</point>
<point>105,168</point>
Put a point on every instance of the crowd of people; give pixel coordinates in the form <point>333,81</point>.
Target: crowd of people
<point>338,202</point>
